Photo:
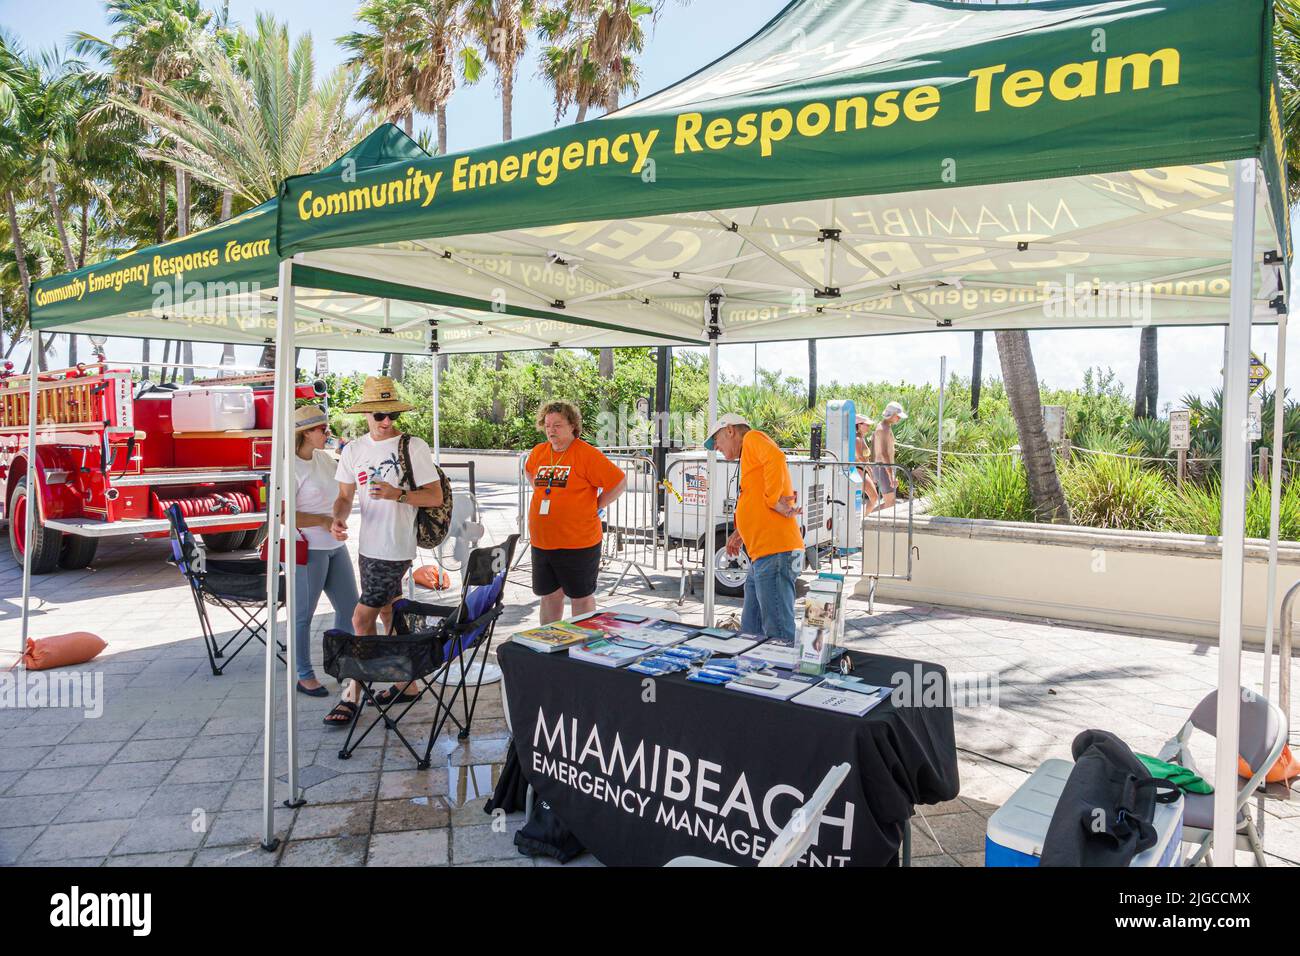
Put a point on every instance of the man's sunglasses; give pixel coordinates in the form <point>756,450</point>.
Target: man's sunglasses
<point>383,416</point>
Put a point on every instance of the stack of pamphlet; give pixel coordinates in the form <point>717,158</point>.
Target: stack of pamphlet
<point>722,641</point>
<point>822,625</point>
<point>778,688</point>
<point>612,651</point>
<point>844,695</point>
<point>550,638</point>
<point>775,652</point>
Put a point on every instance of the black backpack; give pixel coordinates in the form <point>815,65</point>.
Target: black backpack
<point>1106,811</point>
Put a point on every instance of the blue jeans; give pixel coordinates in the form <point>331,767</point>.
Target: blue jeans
<point>328,570</point>
<point>769,595</point>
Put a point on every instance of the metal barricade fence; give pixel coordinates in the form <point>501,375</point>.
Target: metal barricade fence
<point>631,523</point>
<point>887,548</point>
<point>687,545</point>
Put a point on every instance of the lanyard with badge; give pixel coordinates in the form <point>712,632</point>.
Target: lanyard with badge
<point>544,507</point>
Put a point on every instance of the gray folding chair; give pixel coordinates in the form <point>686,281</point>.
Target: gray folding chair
<point>1263,735</point>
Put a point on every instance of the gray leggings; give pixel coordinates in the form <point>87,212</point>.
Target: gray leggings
<point>328,570</point>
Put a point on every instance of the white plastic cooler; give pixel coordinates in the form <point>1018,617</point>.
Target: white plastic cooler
<point>1016,830</point>
<point>218,408</point>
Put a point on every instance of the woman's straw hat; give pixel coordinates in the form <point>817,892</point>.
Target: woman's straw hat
<point>379,394</point>
<point>309,416</point>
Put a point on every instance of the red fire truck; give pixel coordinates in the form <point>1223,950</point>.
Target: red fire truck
<point>110,459</point>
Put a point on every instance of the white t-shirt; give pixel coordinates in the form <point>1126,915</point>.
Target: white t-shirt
<point>317,491</point>
<point>387,527</point>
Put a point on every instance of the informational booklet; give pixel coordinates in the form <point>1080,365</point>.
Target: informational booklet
<point>778,688</point>
<point>664,637</point>
<point>821,625</point>
<point>774,651</point>
<point>550,638</point>
<point>604,622</point>
<point>721,641</point>
<point>843,696</point>
<point>612,651</point>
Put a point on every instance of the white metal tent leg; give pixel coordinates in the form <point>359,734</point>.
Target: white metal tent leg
<point>285,403</point>
<point>273,499</point>
<point>1233,531</point>
<point>710,533</point>
<point>1275,503</point>
<point>33,499</point>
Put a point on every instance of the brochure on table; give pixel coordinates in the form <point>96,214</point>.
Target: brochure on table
<point>743,663</point>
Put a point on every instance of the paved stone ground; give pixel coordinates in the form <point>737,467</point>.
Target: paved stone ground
<point>171,773</point>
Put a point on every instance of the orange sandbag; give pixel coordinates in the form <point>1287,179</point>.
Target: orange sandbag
<point>62,650</point>
<point>1286,768</point>
<point>432,577</point>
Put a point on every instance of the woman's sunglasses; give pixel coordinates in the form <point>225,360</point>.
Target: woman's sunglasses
<point>382,416</point>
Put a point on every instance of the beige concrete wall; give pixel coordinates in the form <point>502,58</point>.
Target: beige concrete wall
<point>1162,583</point>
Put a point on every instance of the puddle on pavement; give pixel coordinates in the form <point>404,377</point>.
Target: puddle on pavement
<point>468,783</point>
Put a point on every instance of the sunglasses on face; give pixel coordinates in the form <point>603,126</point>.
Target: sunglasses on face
<point>382,416</point>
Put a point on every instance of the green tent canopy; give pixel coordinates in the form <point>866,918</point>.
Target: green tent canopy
<point>859,168</point>
<point>220,285</point>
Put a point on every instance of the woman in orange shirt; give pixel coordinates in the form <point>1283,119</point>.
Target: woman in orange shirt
<point>571,481</point>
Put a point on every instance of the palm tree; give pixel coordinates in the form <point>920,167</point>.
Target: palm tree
<point>976,374</point>
<point>812,373</point>
<point>1286,40</point>
<point>1020,378</point>
<point>152,48</point>
<point>1147,389</point>
<point>260,120</point>
<point>501,28</point>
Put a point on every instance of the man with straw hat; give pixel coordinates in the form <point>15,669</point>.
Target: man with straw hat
<point>388,507</point>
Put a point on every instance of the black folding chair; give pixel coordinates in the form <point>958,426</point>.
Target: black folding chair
<point>439,648</point>
<point>236,584</point>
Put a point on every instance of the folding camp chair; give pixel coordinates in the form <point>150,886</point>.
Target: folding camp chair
<point>237,585</point>
<point>1263,735</point>
<point>438,648</point>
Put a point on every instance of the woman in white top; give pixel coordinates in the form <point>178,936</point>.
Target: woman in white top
<point>328,567</point>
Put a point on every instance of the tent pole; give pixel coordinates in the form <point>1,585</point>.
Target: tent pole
<point>710,533</point>
<point>1233,531</point>
<point>33,497</point>
<point>269,840</point>
<point>433,357</point>
<point>1275,504</point>
<point>284,407</point>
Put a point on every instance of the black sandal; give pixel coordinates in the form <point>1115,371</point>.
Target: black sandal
<point>393,696</point>
<point>344,713</point>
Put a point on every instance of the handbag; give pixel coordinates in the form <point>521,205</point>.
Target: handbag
<point>431,524</point>
<point>299,550</point>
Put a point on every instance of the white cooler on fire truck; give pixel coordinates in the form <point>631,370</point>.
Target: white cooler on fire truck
<point>1017,828</point>
<point>219,408</point>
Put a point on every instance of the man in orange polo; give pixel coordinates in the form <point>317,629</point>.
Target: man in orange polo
<point>766,524</point>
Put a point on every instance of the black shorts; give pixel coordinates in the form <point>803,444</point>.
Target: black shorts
<point>381,581</point>
<point>573,569</point>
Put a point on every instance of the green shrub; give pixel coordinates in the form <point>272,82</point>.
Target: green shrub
<point>1108,492</point>
<point>993,488</point>
<point>1198,509</point>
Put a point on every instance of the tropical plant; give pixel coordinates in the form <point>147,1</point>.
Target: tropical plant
<point>993,488</point>
<point>1109,492</point>
<point>500,28</point>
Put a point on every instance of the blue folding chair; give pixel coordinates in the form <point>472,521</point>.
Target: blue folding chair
<point>438,648</point>
<point>236,584</point>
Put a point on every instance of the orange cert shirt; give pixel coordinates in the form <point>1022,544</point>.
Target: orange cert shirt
<point>574,478</point>
<point>764,477</point>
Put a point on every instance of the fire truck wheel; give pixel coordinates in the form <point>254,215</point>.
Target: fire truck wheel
<point>45,546</point>
<point>225,541</point>
<point>77,552</point>
<point>254,539</point>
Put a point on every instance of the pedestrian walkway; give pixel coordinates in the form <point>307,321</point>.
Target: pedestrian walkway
<point>171,772</point>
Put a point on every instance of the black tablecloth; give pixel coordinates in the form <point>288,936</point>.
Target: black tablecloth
<point>645,770</point>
